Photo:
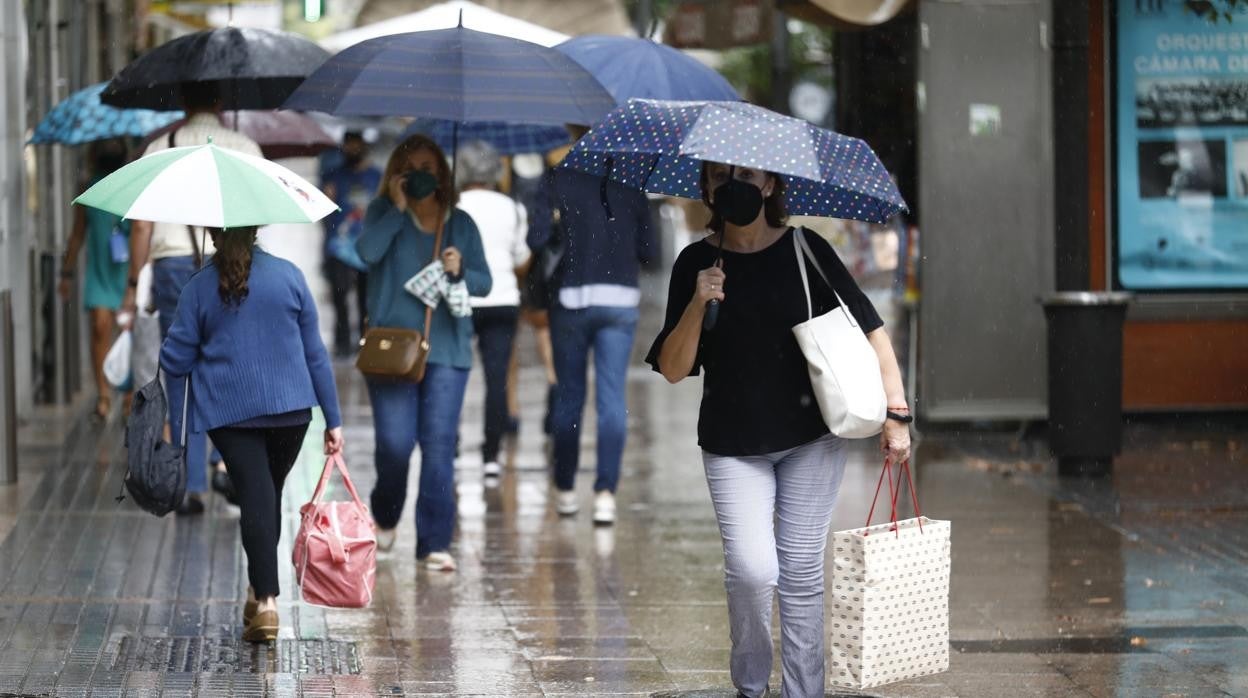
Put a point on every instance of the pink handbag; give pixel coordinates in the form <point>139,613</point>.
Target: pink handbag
<point>336,550</point>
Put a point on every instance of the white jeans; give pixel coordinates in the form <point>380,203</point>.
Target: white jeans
<point>773,512</point>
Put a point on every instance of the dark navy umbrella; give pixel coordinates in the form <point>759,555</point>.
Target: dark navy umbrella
<point>459,75</point>
<point>639,68</point>
<point>81,118</point>
<point>659,146</point>
<point>507,139</point>
<point>253,69</point>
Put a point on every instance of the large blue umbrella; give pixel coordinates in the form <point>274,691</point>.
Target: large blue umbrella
<point>455,74</point>
<point>659,146</point>
<point>639,68</point>
<point>507,139</point>
<point>82,118</point>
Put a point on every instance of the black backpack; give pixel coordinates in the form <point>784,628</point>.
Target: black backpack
<point>156,474</point>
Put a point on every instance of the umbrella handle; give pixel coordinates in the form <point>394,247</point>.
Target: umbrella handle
<point>712,315</point>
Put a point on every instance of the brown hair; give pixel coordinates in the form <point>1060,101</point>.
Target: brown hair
<point>773,206</point>
<point>233,262</point>
<point>445,193</point>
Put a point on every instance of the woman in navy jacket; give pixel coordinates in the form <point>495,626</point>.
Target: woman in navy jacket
<point>246,334</point>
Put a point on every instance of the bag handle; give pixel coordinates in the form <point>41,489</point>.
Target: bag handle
<point>332,463</point>
<point>186,401</point>
<point>893,493</point>
<point>803,251</point>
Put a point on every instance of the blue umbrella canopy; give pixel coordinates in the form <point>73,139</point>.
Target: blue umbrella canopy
<point>659,146</point>
<point>457,75</point>
<point>82,118</point>
<point>507,139</point>
<point>639,68</point>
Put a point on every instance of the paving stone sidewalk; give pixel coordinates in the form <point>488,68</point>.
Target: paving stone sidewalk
<point>1132,586</point>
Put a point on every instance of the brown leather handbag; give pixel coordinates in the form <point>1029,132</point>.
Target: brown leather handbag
<point>394,353</point>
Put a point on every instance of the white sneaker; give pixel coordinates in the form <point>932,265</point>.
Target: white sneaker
<point>440,562</point>
<point>492,469</point>
<point>385,538</point>
<point>604,508</point>
<point>566,503</point>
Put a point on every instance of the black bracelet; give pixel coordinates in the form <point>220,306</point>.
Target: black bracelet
<point>132,283</point>
<point>67,273</point>
<point>897,416</point>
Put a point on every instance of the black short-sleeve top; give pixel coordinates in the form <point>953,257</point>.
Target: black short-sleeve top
<point>756,396</point>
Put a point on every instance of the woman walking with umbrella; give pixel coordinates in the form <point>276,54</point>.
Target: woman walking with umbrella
<point>244,342</point>
<point>767,452</point>
<point>413,213</point>
<point>772,466</point>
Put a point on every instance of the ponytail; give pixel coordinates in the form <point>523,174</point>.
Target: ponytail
<point>233,262</point>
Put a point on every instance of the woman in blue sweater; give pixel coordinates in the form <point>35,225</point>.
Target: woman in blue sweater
<point>246,333</point>
<point>397,242</point>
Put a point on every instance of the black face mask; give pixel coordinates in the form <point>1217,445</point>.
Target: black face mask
<point>419,184</point>
<point>353,159</point>
<point>737,202</point>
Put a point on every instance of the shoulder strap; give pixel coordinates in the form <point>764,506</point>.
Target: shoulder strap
<point>803,251</point>
<point>196,254</point>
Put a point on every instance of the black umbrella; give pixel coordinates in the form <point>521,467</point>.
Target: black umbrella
<point>253,69</point>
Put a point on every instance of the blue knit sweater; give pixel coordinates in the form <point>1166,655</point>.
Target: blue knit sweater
<point>395,249</point>
<point>263,357</point>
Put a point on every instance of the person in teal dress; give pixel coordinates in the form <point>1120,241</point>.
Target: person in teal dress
<point>105,267</point>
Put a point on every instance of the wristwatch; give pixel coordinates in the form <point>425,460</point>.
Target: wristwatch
<point>897,416</point>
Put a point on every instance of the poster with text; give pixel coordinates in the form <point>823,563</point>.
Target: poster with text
<point>1182,149</point>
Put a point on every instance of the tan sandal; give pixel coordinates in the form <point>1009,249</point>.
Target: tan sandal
<point>262,628</point>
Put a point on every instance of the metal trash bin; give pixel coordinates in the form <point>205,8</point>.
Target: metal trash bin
<point>1085,379</point>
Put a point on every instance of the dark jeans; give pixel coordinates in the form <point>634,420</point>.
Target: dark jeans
<point>169,276</point>
<point>608,332</point>
<point>427,413</point>
<point>496,335</point>
<point>342,278</point>
<point>258,461</point>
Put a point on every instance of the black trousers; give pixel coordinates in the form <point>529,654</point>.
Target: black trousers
<point>495,328</point>
<point>342,278</point>
<point>259,461</point>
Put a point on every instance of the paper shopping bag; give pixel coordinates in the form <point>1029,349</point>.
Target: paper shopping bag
<point>890,602</point>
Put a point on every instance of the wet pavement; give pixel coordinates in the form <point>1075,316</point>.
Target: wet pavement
<point>1132,586</point>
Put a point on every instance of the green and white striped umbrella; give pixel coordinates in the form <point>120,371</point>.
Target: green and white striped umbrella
<point>207,185</point>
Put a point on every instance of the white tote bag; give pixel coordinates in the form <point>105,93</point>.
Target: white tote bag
<point>890,599</point>
<point>844,368</point>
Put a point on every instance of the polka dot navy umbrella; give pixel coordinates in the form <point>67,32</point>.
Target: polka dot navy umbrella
<point>658,146</point>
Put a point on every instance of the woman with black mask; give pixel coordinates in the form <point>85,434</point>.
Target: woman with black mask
<point>106,239</point>
<point>417,198</point>
<point>772,466</point>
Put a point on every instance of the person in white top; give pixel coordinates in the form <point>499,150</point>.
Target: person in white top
<point>176,252</point>
<point>503,224</point>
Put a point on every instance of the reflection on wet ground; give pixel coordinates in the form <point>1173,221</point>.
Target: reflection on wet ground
<point>1133,586</point>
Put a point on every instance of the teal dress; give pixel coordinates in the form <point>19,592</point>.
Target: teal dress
<point>105,281</point>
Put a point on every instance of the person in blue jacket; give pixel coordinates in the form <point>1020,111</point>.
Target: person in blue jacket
<point>397,242</point>
<point>246,336</point>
